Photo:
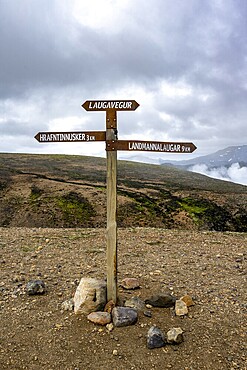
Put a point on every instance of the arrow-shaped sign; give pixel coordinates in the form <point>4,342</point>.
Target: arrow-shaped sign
<point>71,136</point>
<point>98,105</point>
<point>150,146</point>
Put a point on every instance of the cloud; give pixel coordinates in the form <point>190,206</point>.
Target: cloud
<point>185,63</point>
<point>235,173</point>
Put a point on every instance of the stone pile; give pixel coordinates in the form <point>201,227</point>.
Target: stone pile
<point>90,299</point>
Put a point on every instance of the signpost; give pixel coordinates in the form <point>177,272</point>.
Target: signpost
<point>96,105</point>
<point>112,146</point>
<point>152,146</point>
<point>59,137</point>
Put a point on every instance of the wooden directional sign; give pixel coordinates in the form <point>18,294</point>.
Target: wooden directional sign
<point>150,146</point>
<point>112,146</point>
<point>98,105</point>
<point>71,136</point>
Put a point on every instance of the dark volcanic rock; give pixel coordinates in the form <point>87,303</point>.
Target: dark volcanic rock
<point>164,300</point>
<point>155,338</point>
<point>35,287</point>
<point>124,316</point>
<point>135,302</point>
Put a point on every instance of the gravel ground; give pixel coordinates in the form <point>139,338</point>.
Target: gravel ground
<point>210,267</point>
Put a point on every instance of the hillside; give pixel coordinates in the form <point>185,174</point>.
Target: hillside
<point>70,191</point>
<point>222,158</point>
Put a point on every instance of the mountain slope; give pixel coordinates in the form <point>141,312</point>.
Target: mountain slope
<point>70,191</point>
<point>225,157</point>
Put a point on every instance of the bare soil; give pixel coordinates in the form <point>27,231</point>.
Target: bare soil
<point>210,266</point>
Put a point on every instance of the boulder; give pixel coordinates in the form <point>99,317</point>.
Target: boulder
<point>124,316</point>
<point>90,296</point>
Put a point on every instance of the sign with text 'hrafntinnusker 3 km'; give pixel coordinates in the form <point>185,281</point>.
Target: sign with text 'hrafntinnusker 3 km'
<point>112,146</point>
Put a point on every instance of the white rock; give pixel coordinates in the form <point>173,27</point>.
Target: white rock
<point>110,327</point>
<point>175,336</point>
<point>68,305</point>
<point>181,308</point>
<point>90,296</point>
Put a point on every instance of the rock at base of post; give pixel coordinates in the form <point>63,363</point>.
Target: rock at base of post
<point>90,296</point>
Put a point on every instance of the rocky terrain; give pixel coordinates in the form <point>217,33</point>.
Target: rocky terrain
<point>36,333</point>
<point>179,233</point>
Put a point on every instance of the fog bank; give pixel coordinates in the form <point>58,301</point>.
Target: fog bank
<point>235,173</point>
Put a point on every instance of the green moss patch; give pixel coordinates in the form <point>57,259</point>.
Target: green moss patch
<point>75,208</point>
<point>206,214</point>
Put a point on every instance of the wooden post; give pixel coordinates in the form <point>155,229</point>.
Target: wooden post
<point>111,231</point>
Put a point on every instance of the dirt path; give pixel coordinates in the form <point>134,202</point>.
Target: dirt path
<point>36,334</point>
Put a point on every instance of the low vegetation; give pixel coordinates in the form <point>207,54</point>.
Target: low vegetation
<point>70,191</point>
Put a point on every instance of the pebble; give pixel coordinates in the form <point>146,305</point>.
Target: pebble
<point>68,305</point>
<point>163,300</point>
<point>100,318</point>
<point>110,327</point>
<point>147,313</point>
<point>130,283</point>
<point>155,338</point>
<point>175,336</point>
<point>135,302</point>
<point>109,306</point>
<point>187,300</point>
<point>181,308</point>
<point>34,287</point>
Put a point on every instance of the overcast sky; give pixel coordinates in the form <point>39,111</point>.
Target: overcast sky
<point>183,61</point>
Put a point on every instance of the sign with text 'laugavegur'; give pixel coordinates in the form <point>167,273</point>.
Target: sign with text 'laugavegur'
<point>96,105</point>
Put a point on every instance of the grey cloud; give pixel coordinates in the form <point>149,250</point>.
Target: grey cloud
<point>46,54</point>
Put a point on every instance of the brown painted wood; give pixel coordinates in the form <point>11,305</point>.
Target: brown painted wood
<point>150,146</point>
<point>99,105</point>
<point>70,136</point>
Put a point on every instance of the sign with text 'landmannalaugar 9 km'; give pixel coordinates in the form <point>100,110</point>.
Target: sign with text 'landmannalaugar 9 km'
<point>112,146</point>
<point>151,146</point>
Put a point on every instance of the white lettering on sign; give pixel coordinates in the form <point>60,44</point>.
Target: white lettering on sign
<point>185,148</point>
<point>158,147</point>
<point>69,136</point>
<point>110,104</point>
